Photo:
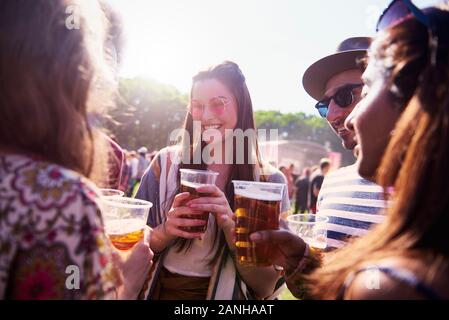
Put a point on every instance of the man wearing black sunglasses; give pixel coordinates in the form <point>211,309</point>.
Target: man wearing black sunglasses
<point>335,82</point>
<point>350,202</point>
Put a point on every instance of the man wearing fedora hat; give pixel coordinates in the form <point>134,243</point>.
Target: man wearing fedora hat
<point>351,202</point>
<point>335,82</point>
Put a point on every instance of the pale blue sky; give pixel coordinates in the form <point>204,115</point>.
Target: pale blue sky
<point>273,41</point>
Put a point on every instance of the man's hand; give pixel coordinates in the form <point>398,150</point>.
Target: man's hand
<point>289,248</point>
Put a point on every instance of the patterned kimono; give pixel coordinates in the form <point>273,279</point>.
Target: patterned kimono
<point>52,244</point>
<point>159,185</point>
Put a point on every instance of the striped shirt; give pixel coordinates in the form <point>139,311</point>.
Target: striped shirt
<point>353,205</point>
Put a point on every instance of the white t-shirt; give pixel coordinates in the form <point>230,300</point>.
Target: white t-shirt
<point>195,262</point>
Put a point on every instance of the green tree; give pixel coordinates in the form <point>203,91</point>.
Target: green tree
<point>301,126</point>
<point>146,113</point>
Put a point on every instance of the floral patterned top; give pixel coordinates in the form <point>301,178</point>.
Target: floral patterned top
<point>52,243</point>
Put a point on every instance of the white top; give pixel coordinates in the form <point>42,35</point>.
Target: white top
<point>195,262</point>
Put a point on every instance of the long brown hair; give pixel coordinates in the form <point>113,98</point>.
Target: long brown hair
<point>53,72</point>
<point>230,75</point>
<point>415,161</point>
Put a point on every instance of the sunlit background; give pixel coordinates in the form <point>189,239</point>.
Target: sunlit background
<point>273,41</point>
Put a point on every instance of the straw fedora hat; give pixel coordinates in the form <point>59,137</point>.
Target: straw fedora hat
<point>345,58</point>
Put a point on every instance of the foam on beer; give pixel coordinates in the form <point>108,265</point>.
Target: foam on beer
<point>257,194</point>
<point>193,185</point>
<point>122,226</point>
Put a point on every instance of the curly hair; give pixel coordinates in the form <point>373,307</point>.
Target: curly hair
<point>415,161</point>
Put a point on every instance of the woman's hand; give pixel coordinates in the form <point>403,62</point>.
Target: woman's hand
<point>175,219</point>
<point>217,204</point>
<point>134,267</point>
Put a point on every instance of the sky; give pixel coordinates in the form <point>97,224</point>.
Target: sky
<point>273,41</point>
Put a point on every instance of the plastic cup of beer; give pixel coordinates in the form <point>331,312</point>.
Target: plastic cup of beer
<point>190,181</point>
<point>257,207</point>
<point>124,220</point>
<point>111,193</point>
<point>311,228</point>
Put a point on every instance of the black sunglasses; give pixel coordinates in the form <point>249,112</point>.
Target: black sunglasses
<point>343,97</point>
<point>399,10</point>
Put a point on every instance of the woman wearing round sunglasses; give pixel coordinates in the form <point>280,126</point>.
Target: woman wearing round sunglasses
<point>201,265</point>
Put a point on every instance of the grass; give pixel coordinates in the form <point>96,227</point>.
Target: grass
<point>287,295</point>
<point>135,189</point>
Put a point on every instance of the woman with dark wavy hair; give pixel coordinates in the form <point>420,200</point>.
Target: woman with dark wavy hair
<point>53,74</point>
<point>202,265</point>
<point>402,130</point>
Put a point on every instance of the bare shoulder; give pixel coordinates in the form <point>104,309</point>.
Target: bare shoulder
<point>373,284</point>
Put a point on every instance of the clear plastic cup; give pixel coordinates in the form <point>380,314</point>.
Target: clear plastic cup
<point>257,207</point>
<point>311,228</point>
<point>124,220</point>
<point>190,180</point>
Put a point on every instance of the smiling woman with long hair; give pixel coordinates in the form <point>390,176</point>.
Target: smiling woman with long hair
<point>196,265</point>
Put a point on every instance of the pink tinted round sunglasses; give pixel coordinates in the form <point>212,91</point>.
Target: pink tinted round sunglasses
<point>217,106</point>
